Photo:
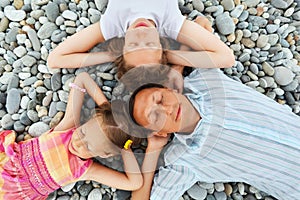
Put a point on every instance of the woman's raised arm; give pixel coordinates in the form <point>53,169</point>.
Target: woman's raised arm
<point>208,50</point>
<point>72,53</point>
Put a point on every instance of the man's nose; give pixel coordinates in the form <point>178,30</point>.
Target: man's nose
<point>168,109</point>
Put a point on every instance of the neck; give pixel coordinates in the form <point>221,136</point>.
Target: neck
<point>192,119</point>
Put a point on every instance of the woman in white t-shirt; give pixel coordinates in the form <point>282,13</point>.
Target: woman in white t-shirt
<point>142,22</point>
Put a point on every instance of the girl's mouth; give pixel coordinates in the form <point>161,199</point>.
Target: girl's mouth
<point>140,24</point>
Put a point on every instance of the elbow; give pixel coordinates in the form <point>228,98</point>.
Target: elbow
<point>229,59</point>
<point>52,61</point>
<point>138,183</point>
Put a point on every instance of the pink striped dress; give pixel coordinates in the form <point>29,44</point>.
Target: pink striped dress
<point>34,168</point>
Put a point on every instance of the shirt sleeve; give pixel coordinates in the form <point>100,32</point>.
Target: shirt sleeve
<point>173,20</point>
<point>172,181</point>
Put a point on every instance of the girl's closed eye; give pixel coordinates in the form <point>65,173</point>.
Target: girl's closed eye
<point>150,44</point>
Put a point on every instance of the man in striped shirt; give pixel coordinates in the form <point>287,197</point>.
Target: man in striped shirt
<point>225,132</point>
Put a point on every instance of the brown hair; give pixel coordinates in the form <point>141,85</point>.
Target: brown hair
<point>111,129</point>
<point>116,46</point>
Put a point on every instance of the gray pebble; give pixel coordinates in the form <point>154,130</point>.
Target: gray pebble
<point>24,119</point>
<point>198,5</point>
<point>220,195</point>
<point>225,24</point>
<point>38,128</point>
<point>13,82</point>
<point>28,61</point>
<point>283,76</point>
<point>292,86</point>
<point>67,14</point>
<point>228,5</point>
<point>7,122</point>
<point>13,100</point>
<point>197,192</point>
<point>52,11</point>
<point>33,115</point>
<point>84,189</point>
<point>32,35</point>
<point>19,127</point>
<point>14,15</point>
<point>46,30</point>
<point>56,81</point>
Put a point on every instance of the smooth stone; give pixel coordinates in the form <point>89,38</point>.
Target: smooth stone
<point>237,11</point>
<point>19,127</point>
<point>219,187</point>
<point>237,196</point>
<point>262,41</point>
<point>281,4</point>
<point>278,91</point>
<point>11,36</point>
<point>84,189</point>
<point>268,69</point>
<point>67,14</point>
<point>7,122</point>
<point>248,42</point>
<point>56,81</point>
<point>52,11</point>
<point>68,187</point>
<point>266,82</point>
<point>24,119</point>
<point>251,3</point>
<point>38,128</point>
<point>4,24</point>
<point>58,35</point>
<point>28,61</point>
<point>61,106</point>
<point>100,4</point>
<point>257,21</point>
<point>225,24</point>
<point>289,98</point>
<point>33,115</point>
<point>228,5</point>
<point>52,109</point>
<point>13,101</point>
<point>252,84</point>
<point>292,86</point>
<point>20,51</point>
<point>197,192</point>
<point>13,82</point>
<point>32,35</point>
<point>46,30</point>
<point>244,57</point>
<point>63,96</point>
<point>105,76</point>
<point>198,5</point>
<point>96,194</point>
<point>56,119</point>
<point>283,76</point>
<point>14,15</point>
<point>220,195</point>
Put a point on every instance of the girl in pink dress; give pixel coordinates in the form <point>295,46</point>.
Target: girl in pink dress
<point>34,168</point>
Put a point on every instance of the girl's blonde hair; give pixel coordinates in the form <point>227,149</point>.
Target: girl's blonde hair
<point>111,129</point>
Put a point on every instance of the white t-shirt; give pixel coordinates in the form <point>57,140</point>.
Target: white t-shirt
<point>121,13</point>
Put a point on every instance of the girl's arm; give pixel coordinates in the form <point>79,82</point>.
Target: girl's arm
<point>209,51</point>
<point>155,145</point>
<point>131,180</point>
<point>83,81</point>
<point>72,53</point>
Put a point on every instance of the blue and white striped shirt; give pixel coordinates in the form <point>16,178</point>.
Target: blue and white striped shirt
<point>243,136</point>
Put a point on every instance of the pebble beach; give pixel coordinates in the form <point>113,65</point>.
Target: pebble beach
<point>263,34</point>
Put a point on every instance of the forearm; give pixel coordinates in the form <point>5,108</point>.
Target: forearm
<point>148,170</point>
<point>78,60</point>
<point>201,59</point>
<point>132,169</point>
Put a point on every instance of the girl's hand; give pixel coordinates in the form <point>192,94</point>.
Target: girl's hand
<point>204,22</point>
<point>156,142</point>
<point>175,78</point>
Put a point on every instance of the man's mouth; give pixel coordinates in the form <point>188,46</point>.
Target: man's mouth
<point>178,113</point>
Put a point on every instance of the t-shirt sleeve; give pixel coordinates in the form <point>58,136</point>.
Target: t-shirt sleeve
<point>172,181</point>
<point>173,20</point>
